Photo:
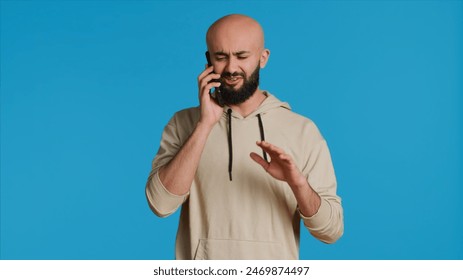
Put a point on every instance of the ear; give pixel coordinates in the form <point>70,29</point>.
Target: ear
<point>264,57</point>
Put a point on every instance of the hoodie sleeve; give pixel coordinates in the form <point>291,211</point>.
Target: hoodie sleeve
<point>327,225</point>
<point>161,201</point>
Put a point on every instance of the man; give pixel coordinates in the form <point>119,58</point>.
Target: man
<point>279,167</point>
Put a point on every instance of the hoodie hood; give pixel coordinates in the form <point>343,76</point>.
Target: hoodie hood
<point>270,103</point>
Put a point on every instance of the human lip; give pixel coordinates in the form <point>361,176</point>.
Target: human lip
<point>232,80</point>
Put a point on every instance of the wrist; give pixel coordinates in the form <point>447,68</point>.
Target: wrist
<point>204,126</point>
<point>299,184</point>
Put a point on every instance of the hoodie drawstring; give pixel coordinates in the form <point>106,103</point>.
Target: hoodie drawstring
<point>230,147</point>
<point>230,144</point>
<point>262,136</point>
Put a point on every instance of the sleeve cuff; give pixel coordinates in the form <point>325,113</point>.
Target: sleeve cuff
<point>162,201</point>
<point>319,219</point>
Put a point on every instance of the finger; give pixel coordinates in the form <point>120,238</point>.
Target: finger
<point>207,71</point>
<point>286,158</point>
<point>260,161</point>
<point>270,147</point>
<point>209,79</point>
<point>204,92</point>
<point>273,150</point>
<point>207,87</point>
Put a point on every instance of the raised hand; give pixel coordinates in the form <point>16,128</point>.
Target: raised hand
<point>281,165</point>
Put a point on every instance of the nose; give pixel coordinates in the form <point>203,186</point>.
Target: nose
<point>232,65</point>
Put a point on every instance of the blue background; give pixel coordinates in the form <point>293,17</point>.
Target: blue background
<point>87,87</point>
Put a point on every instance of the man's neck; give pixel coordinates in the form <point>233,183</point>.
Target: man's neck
<point>250,105</point>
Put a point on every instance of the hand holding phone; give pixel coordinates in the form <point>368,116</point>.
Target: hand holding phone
<point>216,94</point>
<point>210,111</point>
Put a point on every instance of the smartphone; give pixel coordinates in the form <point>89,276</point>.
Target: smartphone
<point>216,94</point>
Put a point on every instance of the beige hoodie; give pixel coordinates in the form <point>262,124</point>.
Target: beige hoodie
<point>252,216</point>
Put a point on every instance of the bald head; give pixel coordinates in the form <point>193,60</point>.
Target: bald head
<point>236,50</point>
<point>237,30</point>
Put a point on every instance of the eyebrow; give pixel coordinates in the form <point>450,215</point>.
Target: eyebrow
<point>235,53</point>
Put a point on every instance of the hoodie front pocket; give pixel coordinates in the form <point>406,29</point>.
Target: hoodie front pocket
<point>229,249</point>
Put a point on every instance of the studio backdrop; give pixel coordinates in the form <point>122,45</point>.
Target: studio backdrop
<point>88,86</point>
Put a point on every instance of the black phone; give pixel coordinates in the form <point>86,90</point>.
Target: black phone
<point>216,94</point>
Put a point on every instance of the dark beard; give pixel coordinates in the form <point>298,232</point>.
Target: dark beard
<point>231,96</point>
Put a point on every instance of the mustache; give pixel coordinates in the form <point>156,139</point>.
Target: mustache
<point>232,75</point>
